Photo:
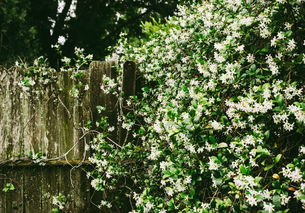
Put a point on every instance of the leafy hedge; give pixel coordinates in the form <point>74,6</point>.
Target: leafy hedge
<point>219,126</point>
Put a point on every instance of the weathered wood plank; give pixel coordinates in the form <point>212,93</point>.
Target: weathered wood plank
<point>2,199</point>
<point>2,194</point>
<point>28,162</point>
<point>129,79</point>
<point>32,190</point>
<point>129,89</point>
<point>50,188</point>
<point>16,198</point>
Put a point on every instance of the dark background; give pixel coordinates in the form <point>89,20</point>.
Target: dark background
<point>25,26</point>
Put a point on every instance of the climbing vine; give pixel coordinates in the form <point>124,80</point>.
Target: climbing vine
<point>219,125</point>
<point>40,74</point>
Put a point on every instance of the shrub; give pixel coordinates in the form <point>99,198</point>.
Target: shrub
<point>219,126</point>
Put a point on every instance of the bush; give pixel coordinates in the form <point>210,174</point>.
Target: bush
<point>219,126</point>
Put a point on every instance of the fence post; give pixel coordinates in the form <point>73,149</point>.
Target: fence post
<point>129,89</point>
<point>98,97</point>
<point>98,70</point>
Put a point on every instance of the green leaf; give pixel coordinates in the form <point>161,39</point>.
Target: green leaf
<point>244,170</point>
<point>261,150</point>
<point>8,187</point>
<point>167,174</point>
<point>222,145</point>
<point>192,193</point>
<point>268,167</point>
<point>170,203</point>
<point>290,165</point>
<point>263,51</point>
<point>146,89</point>
<point>253,67</point>
<point>278,158</point>
<point>259,197</point>
<point>258,179</point>
<point>212,139</point>
<point>280,100</point>
<point>267,134</point>
<point>192,113</point>
<point>302,197</point>
<point>276,201</point>
<point>288,33</point>
<point>185,88</point>
<point>141,131</point>
<point>224,119</point>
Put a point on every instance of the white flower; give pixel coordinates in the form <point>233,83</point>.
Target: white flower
<point>279,56</point>
<point>273,42</point>
<point>149,206</point>
<point>32,82</point>
<point>266,194</point>
<point>296,175</point>
<point>281,1</point>
<point>163,182</point>
<point>216,125</point>
<point>188,180</point>
<point>213,165</point>
<point>288,26</point>
<point>213,68</point>
<point>291,45</point>
<point>294,109</point>
<point>251,200</point>
<point>288,126</point>
<point>248,140</point>
<point>267,94</point>
<point>169,191</point>
<point>297,194</point>
<point>246,21</point>
<point>164,164</point>
<point>269,207</point>
<point>240,48</point>
<point>205,205</point>
<point>61,40</point>
<point>250,58</point>
<point>280,35</point>
<point>284,199</point>
<point>154,154</point>
<point>157,127</point>
<point>95,183</point>
<point>219,58</point>
<point>111,129</point>
<point>219,46</point>
<point>302,150</point>
<point>66,60</point>
<point>180,187</point>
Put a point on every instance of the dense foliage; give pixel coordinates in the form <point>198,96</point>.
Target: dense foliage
<point>28,29</point>
<point>219,126</point>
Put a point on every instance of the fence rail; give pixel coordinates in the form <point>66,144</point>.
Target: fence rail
<point>51,121</point>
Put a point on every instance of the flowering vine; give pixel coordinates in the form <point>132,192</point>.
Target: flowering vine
<point>220,122</point>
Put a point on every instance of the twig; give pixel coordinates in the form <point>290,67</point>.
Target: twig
<point>114,142</point>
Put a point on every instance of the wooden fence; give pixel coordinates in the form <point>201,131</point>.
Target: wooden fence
<point>51,121</point>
